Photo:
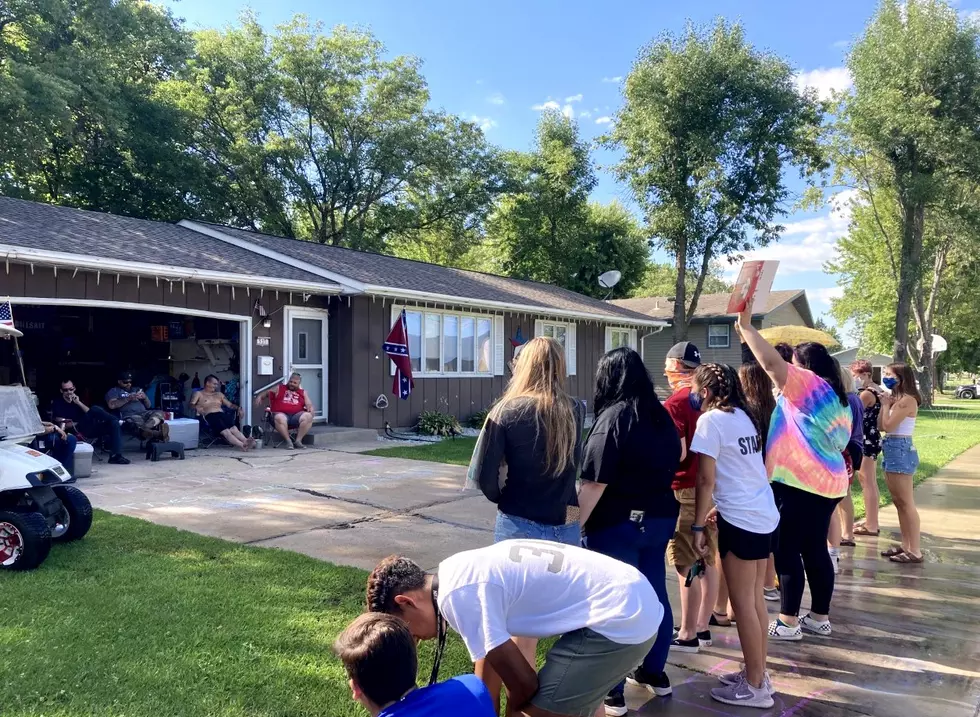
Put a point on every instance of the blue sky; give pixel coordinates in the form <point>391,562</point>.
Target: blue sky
<point>499,63</point>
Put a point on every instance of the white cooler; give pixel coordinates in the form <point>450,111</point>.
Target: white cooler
<point>83,460</point>
<point>184,430</point>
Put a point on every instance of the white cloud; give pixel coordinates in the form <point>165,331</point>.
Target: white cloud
<point>825,295</point>
<point>825,80</point>
<point>496,99</point>
<point>574,98</point>
<point>584,113</point>
<point>613,80</point>
<point>841,44</point>
<point>567,110</point>
<point>970,16</point>
<point>806,245</point>
<point>484,123</point>
<point>603,120</point>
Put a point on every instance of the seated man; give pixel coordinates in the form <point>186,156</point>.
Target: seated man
<point>60,445</point>
<point>133,407</point>
<point>606,612</point>
<point>210,404</point>
<point>89,423</point>
<point>378,653</point>
<point>291,408</point>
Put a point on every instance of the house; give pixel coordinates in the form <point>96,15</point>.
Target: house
<point>712,330</point>
<point>878,361</point>
<point>95,293</point>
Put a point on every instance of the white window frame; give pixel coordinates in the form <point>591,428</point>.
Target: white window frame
<point>571,348</point>
<point>728,336</point>
<point>630,337</point>
<point>496,337</point>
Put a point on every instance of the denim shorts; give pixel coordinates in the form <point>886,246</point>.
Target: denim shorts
<point>510,527</point>
<point>900,455</point>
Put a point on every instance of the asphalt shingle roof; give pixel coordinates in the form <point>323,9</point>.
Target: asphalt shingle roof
<point>709,305</point>
<point>76,231</point>
<point>394,273</point>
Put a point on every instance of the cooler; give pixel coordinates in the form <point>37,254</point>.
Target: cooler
<point>83,460</point>
<point>184,430</point>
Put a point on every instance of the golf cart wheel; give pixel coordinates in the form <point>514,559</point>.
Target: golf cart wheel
<point>25,540</point>
<point>967,394</point>
<point>76,518</point>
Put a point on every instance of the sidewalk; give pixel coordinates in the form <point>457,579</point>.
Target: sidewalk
<point>906,639</point>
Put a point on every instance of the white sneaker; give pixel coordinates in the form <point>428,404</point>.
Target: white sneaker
<point>817,628</point>
<point>733,678</point>
<point>771,594</point>
<point>779,631</point>
<point>743,694</point>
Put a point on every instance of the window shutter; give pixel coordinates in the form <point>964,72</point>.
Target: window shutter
<point>609,333</point>
<point>633,341</point>
<point>570,350</point>
<point>498,346</point>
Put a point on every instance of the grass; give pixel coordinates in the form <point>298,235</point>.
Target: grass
<point>941,434</point>
<point>140,620</point>
<point>456,452</point>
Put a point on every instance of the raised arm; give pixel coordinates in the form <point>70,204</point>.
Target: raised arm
<point>764,353</point>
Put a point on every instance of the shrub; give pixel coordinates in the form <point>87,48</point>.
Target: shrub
<point>478,419</point>
<point>435,423</point>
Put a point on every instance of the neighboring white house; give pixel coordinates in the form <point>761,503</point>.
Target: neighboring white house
<point>878,361</point>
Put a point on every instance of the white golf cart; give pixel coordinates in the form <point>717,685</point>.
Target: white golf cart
<point>38,505</point>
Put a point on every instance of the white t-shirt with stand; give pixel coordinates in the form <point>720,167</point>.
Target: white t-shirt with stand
<point>535,588</point>
<point>742,491</point>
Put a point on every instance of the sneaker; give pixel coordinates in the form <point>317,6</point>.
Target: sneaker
<point>657,684</point>
<point>288,445</point>
<point>257,433</point>
<point>615,705</point>
<point>780,631</point>
<point>693,645</point>
<point>733,678</point>
<point>744,695</point>
<point>247,431</point>
<point>771,594</point>
<point>817,628</point>
<point>835,559</point>
<point>119,460</point>
<point>300,444</point>
<point>704,638</point>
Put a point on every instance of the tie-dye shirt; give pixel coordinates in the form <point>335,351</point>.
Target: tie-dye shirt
<point>809,430</point>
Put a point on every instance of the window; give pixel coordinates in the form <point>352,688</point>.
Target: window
<point>617,338</point>
<point>555,331</point>
<point>449,344</point>
<point>719,336</point>
<point>564,333</point>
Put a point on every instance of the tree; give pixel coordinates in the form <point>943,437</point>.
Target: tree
<point>821,325</point>
<point>708,128</point>
<point>661,280</point>
<point>911,128</point>
<point>545,228</point>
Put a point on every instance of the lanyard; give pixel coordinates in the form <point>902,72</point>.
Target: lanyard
<point>440,632</point>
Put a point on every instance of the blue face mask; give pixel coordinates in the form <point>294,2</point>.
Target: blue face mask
<point>889,382</point>
<point>695,399</point>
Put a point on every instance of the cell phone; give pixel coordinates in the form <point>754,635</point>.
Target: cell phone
<point>696,571</point>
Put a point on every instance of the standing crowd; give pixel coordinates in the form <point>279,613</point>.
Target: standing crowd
<point>740,481</point>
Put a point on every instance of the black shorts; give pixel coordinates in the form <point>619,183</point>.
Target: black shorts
<point>744,544</point>
<point>292,419</point>
<point>220,421</point>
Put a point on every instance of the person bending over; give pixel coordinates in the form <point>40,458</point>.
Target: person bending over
<point>378,652</point>
<point>210,403</point>
<point>606,612</point>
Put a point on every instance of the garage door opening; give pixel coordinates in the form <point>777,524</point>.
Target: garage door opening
<point>169,354</point>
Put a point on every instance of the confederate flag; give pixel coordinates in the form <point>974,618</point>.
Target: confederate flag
<point>396,346</point>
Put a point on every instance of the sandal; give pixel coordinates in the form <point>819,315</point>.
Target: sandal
<point>906,558</point>
<point>861,530</point>
<point>892,552</point>
<point>845,543</point>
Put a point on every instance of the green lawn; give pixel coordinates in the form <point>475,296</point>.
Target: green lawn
<point>456,452</point>
<point>139,620</point>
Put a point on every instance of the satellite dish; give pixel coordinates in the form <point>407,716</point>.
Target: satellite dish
<point>609,279</point>
<point>938,344</point>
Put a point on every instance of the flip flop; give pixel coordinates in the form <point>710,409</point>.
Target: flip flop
<point>906,558</point>
<point>861,530</point>
<point>892,552</point>
<point>847,543</point>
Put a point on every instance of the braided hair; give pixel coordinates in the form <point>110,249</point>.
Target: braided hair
<point>726,390</point>
<point>393,576</point>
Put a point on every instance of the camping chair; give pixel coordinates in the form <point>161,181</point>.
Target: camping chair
<point>274,439</point>
<point>206,437</point>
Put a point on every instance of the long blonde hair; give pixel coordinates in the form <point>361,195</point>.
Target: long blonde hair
<point>539,376</point>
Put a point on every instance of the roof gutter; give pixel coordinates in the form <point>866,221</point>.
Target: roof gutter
<point>116,266</point>
<point>524,308</point>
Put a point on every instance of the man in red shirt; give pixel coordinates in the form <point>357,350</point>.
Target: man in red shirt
<point>291,408</point>
<point>698,600</point>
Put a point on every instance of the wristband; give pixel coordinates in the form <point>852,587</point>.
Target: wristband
<point>697,528</point>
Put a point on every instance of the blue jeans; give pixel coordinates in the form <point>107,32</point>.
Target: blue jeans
<point>62,450</point>
<point>510,527</point>
<point>643,545</point>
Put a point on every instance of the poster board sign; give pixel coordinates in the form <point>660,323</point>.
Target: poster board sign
<point>753,287</point>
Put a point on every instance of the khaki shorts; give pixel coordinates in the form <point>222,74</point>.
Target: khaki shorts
<point>680,550</point>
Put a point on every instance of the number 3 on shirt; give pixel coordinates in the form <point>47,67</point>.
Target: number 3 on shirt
<point>519,550</point>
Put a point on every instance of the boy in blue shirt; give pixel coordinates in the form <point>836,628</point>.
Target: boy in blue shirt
<point>378,652</point>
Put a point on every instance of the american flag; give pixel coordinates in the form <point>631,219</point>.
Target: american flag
<point>6,315</point>
<point>396,347</point>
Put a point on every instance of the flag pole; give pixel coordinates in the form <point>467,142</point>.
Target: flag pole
<point>20,361</point>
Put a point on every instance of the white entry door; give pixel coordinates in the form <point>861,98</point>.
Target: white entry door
<point>306,354</point>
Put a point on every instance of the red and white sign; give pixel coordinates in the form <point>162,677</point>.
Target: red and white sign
<point>753,287</point>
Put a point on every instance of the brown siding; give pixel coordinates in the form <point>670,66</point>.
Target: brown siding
<point>785,315</point>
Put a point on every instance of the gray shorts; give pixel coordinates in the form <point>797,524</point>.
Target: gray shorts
<point>580,670</point>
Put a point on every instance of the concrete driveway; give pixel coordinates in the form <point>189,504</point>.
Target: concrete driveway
<point>346,508</point>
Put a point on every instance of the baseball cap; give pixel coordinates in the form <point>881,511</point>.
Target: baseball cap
<point>687,353</point>
<point>125,376</point>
